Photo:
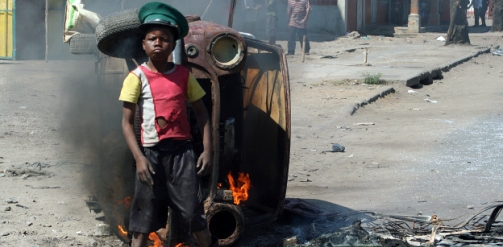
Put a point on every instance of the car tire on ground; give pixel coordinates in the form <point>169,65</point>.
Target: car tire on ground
<point>83,44</point>
<point>118,34</point>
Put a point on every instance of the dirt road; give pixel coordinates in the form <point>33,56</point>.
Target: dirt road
<point>416,156</point>
<point>411,156</point>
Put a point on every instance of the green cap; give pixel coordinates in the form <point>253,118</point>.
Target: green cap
<point>162,14</point>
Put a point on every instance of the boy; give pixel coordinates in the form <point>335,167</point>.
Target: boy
<point>166,171</point>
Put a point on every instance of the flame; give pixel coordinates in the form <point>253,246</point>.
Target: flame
<point>157,241</point>
<point>240,191</point>
<point>219,185</point>
<point>122,230</point>
<point>126,201</point>
<point>181,245</point>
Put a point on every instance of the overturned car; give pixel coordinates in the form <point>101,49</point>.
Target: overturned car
<point>247,97</point>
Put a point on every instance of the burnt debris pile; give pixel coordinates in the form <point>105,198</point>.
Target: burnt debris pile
<point>305,225</point>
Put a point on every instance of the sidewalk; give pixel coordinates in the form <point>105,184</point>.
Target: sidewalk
<point>411,61</point>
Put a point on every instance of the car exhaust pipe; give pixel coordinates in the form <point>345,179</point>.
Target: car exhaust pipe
<point>226,222</point>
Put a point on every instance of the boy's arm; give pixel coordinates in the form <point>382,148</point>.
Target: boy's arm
<point>143,167</point>
<point>204,164</point>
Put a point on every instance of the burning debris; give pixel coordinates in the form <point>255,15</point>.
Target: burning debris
<point>155,239</point>
<point>352,236</point>
<point>481,229</point>
<point>241,188</point>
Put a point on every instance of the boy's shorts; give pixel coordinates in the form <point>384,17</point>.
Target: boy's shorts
<point>175,185</point>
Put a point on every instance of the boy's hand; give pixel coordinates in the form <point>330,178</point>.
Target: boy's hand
<point>203,165</point>
<point>143,170</point>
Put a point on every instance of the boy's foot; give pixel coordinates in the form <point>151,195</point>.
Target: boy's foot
<point>289,54</point>
<point>483,25</point>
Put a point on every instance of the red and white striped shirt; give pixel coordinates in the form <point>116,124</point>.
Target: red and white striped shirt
<point>297,10</point>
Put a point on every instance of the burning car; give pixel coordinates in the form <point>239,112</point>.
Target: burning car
<point>247,86</point>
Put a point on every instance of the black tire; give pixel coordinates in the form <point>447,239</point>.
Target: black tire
<point>83,44</point>
<point>118,35</point>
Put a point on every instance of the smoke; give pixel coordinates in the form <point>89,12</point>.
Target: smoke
<point>82,121</point>
<point>93,127</point>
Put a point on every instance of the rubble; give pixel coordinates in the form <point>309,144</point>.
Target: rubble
<point>364,124</point>
<point>336,147</point>
<point>353,35</point>
<point>375,229</point>
<point>42,187</point>
<point>102,230</point>
<point>11,201</point>
<point>27,170</point>
<point>498,52</point>
<point>21,206</point>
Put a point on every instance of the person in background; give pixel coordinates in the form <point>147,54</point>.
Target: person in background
<point>272,19</point>
<point>298,13</point>
<point>251,15</point>
<point>424,12</point>
<point>477,9</point>
<point>397,13</point>
<point>485,6</point>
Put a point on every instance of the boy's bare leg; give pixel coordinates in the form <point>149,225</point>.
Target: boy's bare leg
<point>139,239</point>
<point>203,238</point>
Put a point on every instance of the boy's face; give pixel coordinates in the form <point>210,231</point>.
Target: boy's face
<point>159,43</point>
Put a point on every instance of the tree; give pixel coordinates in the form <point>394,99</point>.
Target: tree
<point>458,27</point>
<point>497,15</point>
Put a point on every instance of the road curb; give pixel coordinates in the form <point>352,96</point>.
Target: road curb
<point>382,92</point>
<point>426,77</point>
<point>9,62</point>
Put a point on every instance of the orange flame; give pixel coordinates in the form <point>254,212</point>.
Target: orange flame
<point>126,201</point>
<point>240,191</point>
<point>181,245</point>
<point>122,230</point>
<point>157,241</point>
<point>219,185</point>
